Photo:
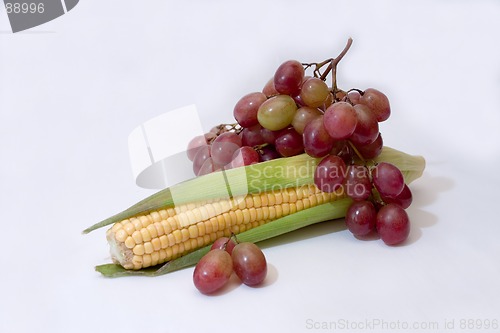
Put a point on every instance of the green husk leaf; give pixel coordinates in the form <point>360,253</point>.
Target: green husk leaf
<point>275,174</point>
<point>262,177</point>
<point>329,211</point>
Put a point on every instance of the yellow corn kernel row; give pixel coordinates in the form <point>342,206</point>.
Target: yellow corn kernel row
<point>163,235</point>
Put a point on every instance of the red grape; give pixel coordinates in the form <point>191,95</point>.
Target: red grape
<point>194,145</point>
<point>403,199</point>
<point>358,185</point>
<point>393,224</point>
<point>244,156</point>
<point>371,150</point>
<point>269,89</point>
<point>249,263</point>
<point>340,120</point>
<point>388,179</point>
<point>203,153</point>
<point>289,143</point>
<point>245,110</point>
<point>288,78</point>
<point>330,173</point>
<point>317,141</point>
<point>224,243</point>
<point>366,130</point>
<point>268,153</point>
<point>361,218</point>
<point>224,146</point>
<point>377,102</point>
<point>213,271</point>
<point>252,136</point>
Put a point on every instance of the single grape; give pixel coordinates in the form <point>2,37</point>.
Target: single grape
<point>194,145</point>
<point>224,243</point>
<point>269,89</point>
<point>249,263</point>
<point>303,116</point>
<point>358,185</point>
<point>388,179</point>
<point>377,102</point>
<point>202,154</point>
<point>224,146</point>
<point>245,110</point>
<point>207,167</point>
<point>393,224</point>
<point>314,92</point>
<point>268,153</point>
<point>340,120</point>
<point>371,150</point>
<point>330,173</point>
<point>403,199</point>
<point>361,218</point>
<point>366,130</point>
<point>213,271</point>
<point>288,78</point>
<point>317,141</point>
<point>289,143</point>
<point>252,136</point>
<point>277,112</point>
<point>244,156</point>
<point>354,96</point>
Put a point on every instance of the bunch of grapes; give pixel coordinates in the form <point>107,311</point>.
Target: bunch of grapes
<point>296,113</point>
<point>214,269</point>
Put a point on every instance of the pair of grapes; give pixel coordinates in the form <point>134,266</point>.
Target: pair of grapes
<point>214,269</point>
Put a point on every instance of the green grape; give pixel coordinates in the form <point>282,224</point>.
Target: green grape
<point>277,112</point>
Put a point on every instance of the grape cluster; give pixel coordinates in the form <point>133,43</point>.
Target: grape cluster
<point>296,113</point>
<point>214,269</point>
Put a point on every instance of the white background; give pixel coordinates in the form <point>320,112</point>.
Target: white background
<point>73,89</point>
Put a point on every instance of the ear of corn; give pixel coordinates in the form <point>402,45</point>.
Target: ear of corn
<point>178,225</point>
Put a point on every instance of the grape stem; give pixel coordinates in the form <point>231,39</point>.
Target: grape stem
<point>333,67</point>
<point>357,152</point>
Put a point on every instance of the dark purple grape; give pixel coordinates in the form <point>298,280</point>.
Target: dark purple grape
<point>288,78</point>
<point>388,179</point>
<point>317,141</point>
<point>252,136</point>
<point>224,243</point>
<point>393,224</point>
<point>330,173</point>
<point>224,146</point>
<point>358,185</point>
<point>373,149</point>
<point>245,110</point>
<point>249,263</point>
<point>340,120</point>
<point>213,271</point>
<point>404,199</point>
<point>289,143</point>
<point>377,102</point>
<point>343,150</point>
<point>361,218</point>
<point>366,130</point>
<point>268,153</point>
